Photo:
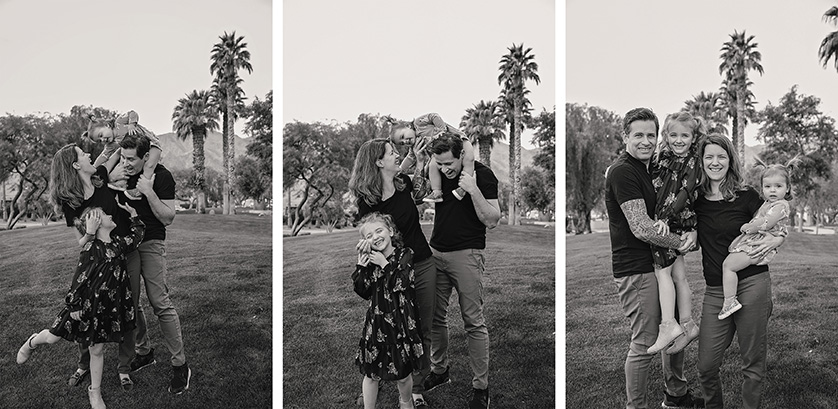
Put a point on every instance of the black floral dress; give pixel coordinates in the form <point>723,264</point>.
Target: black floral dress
<point>101,290</point>
<point>675,179</point>
<point>391,343</point>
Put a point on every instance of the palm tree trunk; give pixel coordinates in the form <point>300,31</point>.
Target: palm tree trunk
<point>230,150</point>
<point>225,188</point>
<point>485,151</point>
<point>740,114</point>
<point>515,176</point>
<point>198,137</point>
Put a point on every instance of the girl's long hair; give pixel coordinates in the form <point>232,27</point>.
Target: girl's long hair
<point>695,123</point>
<point>65,184</point>
<point>365,182</point>
<point>388,221</point>
<point>732,182</point>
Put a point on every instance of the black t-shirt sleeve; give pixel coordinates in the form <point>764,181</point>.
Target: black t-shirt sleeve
<point>754,202</point>
<point>624,184</point>
<point>69,214</point>
<point>102,172</point>
<point>164,185</point>
<point>487,183</point>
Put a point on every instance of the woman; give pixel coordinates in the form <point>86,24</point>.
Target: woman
<point>723,206</point>
<point>379,186</point>
<point>74,188</point>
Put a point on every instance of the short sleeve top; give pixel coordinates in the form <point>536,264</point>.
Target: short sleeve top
<point>164,187</point>
<point>456,225</point>
<point>105,198</point>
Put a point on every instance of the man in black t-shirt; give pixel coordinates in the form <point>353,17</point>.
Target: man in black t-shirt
<point>156,209</point>
<point>630,203</point>
<point>457,243</point>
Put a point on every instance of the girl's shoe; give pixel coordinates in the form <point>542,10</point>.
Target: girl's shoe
<point>77,377</point>
<point>26,350</point>
<point>691,331</point>
<point>434,197</point>
<point>730,306</point>
<point>95,396</point>
<point>667,332</point>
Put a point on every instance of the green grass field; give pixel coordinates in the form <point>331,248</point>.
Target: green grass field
<point>219,276</point>
<point>802,350</point>
<point>322,318</point>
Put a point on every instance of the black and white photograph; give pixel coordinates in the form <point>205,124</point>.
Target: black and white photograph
<point>136,150</point>
<point>419,204</point>
<point>701,204</point>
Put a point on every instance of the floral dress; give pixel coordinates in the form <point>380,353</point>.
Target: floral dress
<point>771,218</point>
<point>391,344</point>
<point>101,290</point>
<point>675,179</point>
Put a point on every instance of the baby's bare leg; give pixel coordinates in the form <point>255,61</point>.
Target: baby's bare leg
<point>733,263</point>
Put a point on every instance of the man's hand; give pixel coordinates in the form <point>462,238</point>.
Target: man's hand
<point>378,258</point>
<point>145,185</point>
<point>468,183</point>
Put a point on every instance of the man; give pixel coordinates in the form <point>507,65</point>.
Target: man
<point>630,203</point>
<point>156,209</point>
<point>457,243</point>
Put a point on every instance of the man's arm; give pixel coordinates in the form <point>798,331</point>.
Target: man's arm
<point>488,210</point>
<point>164,210</point>
<point>643,227</point>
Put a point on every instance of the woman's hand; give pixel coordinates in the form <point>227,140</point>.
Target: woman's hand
<point>378,258</point>
<point>419,149</point>
<point>126,207</point>
<point>94,219</point>
<point>762,246</point>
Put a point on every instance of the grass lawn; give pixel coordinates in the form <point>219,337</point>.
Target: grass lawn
<point>322,320</point>
<point>802,349</point>
<point>219,276</point>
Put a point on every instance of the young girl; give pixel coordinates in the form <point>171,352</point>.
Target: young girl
<point>391,343</point>
<point>111,132</point>
<point>98,308</point>
<point>771,218</point>
<point>675,177</point>
<point>426,128</point>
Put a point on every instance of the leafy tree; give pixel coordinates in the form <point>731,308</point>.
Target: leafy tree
<point>739,55</point>
<point>249,181</point>
<point>193,117</point>
<point>829,45</point>
<point>538,194</point>
<point>259,126</point>
<point>594,138</point>
<point>797,128</point>
<point>545,139</point>
<point>483,124</point>
<point>710,107</point>
<point>228,57</point>
<point>516,68</point>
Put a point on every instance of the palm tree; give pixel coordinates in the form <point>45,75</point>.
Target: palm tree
<point>194,116</point>
<point>515,69</point>
<point>710,107</point>
<point>218,99</point>
<point>483,124</point>
<point>228,56</point>
<point>829,45</point>
<point>739,55</point>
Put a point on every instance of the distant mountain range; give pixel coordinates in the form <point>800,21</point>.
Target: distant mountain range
<point>177,154</point>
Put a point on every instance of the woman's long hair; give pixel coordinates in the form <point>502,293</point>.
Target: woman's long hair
<point>365,182</point>
<point>732,182</point>
<point>65,185</point>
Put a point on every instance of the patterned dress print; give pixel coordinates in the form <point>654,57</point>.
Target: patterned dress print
<point>391,344</point>
<point>101,290</point>
<point>675,179</point>
<point>771,218</point>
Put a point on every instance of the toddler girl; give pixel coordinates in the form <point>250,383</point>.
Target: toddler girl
<point>111,132</point>
<point>427,127</point>
<point>391,344</point>
<point>98,308</point>
<point>675,176</point>
<point>771,218</point>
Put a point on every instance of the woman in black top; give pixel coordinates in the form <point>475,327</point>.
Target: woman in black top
<point>380,186</point>
<point>723,206</point>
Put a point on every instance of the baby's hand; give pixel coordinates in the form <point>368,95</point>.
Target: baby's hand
<point>378,258</point>
<point>661,227</point>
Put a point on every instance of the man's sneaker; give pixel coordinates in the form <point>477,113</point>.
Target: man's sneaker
<point>434,379</point>
<point>180,379</point>
<point>479,399</point>
<point>677,402</point>
<point>142,361</point>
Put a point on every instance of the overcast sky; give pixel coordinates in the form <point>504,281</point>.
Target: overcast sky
<point>659,53</point>
<point>408,58</point>
<point>123,55</point>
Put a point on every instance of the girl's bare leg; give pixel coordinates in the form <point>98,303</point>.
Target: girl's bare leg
<point>733,263</point>
<point>405,396</point>
<point>370,389</point>
<point>682,289</point>
<point>666,293</point>
<point>97,363</point>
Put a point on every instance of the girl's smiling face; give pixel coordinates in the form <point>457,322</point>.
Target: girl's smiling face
<point>679,138</point>
<point>378,235</point>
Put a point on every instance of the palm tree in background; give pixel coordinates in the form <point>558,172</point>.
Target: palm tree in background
<point>710,107</point>
<point>739,55</point>
<point>829,45</point>
<point>228,57</point>
<point>218,99</point>
<point>194,116</point>
<point>483,124</point>
<point>516,68</point>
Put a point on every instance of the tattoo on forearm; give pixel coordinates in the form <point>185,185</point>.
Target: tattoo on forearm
<point>643,227</point>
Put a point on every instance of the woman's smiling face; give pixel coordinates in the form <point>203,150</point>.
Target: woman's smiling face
<point>716,162</point>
